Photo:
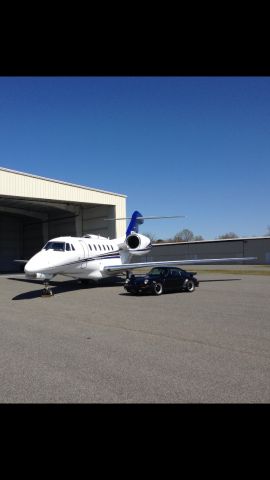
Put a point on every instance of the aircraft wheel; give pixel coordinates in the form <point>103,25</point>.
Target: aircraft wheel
<point>46,293</point>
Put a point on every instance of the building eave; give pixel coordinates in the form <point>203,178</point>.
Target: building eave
<point>25,174</point>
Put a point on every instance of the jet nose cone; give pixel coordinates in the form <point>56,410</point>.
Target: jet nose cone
<point>30,267</point>
<point>36,264</point>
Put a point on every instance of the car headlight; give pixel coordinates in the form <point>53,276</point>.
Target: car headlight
<point>146,281</point>
<point>127,280</point>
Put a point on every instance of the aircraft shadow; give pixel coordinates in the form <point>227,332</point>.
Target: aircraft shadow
<point>72,285</point>
<point>26,280</point>
<point>65,287</point>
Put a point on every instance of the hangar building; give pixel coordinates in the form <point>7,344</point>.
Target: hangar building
<point>34,209</point>
<point>238,247</point>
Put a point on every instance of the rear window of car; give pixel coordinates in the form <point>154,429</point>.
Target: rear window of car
<point>175,272</point>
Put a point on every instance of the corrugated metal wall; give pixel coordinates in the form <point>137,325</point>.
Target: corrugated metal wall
<point>26,185</point>
<point>258,247</point>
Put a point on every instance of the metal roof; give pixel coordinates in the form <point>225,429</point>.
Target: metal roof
<point>60,182</point>
<point>212,241</point>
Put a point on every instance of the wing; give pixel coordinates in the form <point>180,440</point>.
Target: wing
<point>132,266</point>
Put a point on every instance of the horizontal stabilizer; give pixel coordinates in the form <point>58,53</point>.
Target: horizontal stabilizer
<point>147,218</point>
<point>137,219</point>
<point>132,266</point>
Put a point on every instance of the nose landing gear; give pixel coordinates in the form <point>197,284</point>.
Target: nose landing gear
<point>47,291</point>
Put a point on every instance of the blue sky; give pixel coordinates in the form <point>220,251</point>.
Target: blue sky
<point>194,146</point>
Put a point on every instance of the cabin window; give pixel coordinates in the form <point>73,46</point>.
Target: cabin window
<point>72,247</point>
<point>95,247</point>
<point>90,247</point>
<point>108,248</point>
<point>104,247</point>
<point>68,247</point>
<point>99,247</point>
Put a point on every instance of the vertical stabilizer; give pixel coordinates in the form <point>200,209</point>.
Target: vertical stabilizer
<point>134,223</point>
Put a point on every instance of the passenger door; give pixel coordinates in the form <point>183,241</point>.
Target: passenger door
<point>84,254</point>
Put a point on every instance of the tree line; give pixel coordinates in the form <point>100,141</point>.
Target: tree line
<point>187,235</point>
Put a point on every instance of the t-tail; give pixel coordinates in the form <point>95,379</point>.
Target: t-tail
<point>135,243</point>
<point>136,220</point>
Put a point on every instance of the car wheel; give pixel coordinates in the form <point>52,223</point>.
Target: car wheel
<point>158,288</point>
<point>190,286</point>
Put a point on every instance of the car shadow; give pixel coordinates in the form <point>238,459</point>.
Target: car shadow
<point>150,294</point>
<point>145,294</point>
<point>221,280</point>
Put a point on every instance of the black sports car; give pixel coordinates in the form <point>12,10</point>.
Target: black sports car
<point>162,279</point>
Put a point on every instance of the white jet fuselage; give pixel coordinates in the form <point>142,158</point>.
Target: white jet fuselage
<point>73,256</point>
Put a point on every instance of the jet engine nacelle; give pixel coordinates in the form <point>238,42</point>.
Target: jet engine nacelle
<point>138,244</point>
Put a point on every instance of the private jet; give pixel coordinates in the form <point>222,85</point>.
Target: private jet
<point>93,257</point>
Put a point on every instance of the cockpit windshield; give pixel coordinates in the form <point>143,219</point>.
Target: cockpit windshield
<point>56,246</point>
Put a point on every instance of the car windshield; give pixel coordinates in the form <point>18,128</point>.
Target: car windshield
<point>57,246</point>
<point>157,271</point>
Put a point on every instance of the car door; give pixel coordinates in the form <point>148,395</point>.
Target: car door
<point>170,280</point>
<point>176,279</point>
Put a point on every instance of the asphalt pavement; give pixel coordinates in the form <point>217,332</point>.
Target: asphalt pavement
<point>101,345</point>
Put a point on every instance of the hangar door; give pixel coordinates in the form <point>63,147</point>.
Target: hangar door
<point>11,242</point>
<point>23,235</point>
<point>17,241</point>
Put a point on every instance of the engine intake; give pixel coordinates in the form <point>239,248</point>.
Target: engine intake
<point>133,241</point>
<point>138,244</point>
<point>134,244</point>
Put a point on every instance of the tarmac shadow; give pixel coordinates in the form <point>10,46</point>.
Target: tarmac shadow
<point>28,295</point>
<point>221,280</point>
<point>55,287</point>
<point>65,287</point>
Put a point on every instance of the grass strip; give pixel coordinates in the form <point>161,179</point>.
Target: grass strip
<point>235,272</point>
